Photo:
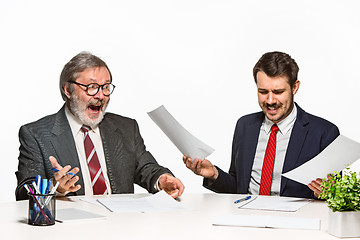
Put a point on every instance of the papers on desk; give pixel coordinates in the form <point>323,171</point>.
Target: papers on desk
<point>188,145</point>
<point>340,153</point>
<point>74,215</point>
<point>267,222</point>
<point>284,204</point>
<point>159,202</point>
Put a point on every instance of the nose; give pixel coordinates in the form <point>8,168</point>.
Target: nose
<point>99,94</point>
<point>271,99</point>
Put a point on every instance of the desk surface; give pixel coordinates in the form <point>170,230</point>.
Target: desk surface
<point>193,223</point>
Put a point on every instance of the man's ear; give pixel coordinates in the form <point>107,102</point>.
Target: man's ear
<point>67,90</point>
<point>295,87</point>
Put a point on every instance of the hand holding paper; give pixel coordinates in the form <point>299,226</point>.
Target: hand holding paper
<point>315,186</point>
<point>340,153</point>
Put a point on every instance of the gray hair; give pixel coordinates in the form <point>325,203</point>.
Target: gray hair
<point>76,65</point>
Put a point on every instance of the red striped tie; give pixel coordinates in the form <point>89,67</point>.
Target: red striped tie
<point>96,174</point>
<point>268,164</point>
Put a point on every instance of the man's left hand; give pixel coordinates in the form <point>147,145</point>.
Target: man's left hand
<point>171,185</point>
<point>315,185</point>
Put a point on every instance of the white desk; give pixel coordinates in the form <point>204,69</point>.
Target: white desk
<point>194,223</point>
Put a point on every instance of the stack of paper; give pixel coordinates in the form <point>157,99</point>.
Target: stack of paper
<point>73,214</point>
<point>267,222</point>
<point>158,202</point>
<point>284,204</point>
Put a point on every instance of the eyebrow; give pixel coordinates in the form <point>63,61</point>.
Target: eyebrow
<point>94,80</point>
<point>273,90</point>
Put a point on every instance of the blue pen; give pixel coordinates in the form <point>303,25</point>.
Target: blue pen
<point>44,186</point>
<point>38,183</point>
<point>242,199</point>
<point>56,170</point>
<point>48,187</point>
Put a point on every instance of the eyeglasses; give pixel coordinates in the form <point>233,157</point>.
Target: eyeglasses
<point>93,88</point>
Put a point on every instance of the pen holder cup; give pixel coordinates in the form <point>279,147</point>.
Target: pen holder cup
<point>41,209</point>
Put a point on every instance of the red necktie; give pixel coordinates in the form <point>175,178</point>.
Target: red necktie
<point>268,164</point>
<point>96,174</point>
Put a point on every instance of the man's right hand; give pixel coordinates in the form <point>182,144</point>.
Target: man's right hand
<point>66,181</point>
<point>200,167</point>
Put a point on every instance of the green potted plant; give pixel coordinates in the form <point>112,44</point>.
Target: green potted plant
<point>342,194</point>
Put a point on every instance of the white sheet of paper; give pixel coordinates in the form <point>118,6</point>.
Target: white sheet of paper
<point>284,204</point>
<point>267,221</point>
<point>91,200</point>
<point>159,202</point>
<point>75,215</point>
<point>335,157</point>
<point>188,145</point>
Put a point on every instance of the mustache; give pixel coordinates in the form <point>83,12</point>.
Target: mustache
<point>272,105</point>
<point>96,102</point>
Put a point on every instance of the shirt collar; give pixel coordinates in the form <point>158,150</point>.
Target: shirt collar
<point>284,125</point>
<point>75,123</point>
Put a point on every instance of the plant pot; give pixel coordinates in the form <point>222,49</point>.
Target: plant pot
<point>344,224</point>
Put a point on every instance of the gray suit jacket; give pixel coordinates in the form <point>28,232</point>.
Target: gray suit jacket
<point>126,157</point>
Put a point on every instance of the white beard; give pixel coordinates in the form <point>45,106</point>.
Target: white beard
<point>78,109</point>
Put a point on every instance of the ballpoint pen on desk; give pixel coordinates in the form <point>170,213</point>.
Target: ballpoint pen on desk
<point>242,199</point>
<point>248,200</point>
<point>56,170</point>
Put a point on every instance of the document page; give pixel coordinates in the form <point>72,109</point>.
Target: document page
<point>75,215</point>
<point>188,145</point>
<point>340,153</point>
<point>284,204</point>
<point>267,222</point>
<point>159,202</point>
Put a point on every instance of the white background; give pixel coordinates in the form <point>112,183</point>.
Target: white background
<point>195,57</point>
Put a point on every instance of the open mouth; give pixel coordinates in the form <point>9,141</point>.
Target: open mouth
<point>94,109</point>
<point>272,108</point>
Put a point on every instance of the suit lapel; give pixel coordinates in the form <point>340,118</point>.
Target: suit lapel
<point>296,142</point>
<point>113,149</point>
<point>64,144</point>
<point>251,137</point>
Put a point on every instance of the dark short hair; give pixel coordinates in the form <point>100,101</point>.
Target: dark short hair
<point>276,64</point>
<point>76,65</point>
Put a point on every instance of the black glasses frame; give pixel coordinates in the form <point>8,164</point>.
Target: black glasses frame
<point>98,87</point>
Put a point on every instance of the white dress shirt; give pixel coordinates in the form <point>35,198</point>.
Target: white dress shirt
<point>282,140</point>
<point>95,136</point>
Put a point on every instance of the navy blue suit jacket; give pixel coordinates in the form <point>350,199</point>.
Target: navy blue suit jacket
<point>310,135</point>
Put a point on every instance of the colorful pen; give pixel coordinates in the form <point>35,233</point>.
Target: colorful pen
<point>56,170</point>
<point>242,199</point>
<point>38,183</point>
<point>44,186</point>
<point>48,187</point>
